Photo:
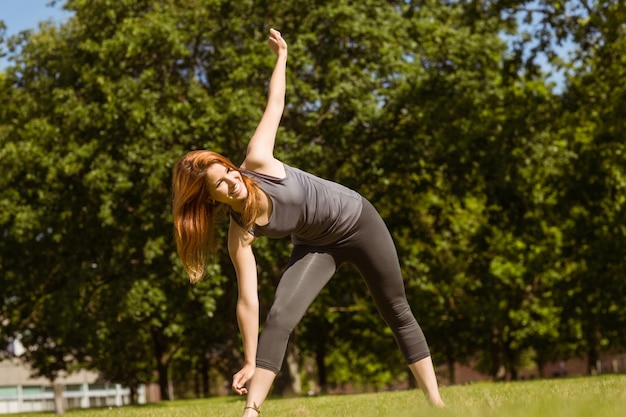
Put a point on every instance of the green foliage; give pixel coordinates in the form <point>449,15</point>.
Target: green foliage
<point>505,198</point>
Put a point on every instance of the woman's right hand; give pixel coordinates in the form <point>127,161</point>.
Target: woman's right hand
<point>277,43</point>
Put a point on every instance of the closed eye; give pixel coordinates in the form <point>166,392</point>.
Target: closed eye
<point>219,182</point>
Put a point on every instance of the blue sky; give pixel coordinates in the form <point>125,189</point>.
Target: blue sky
<point>26,14</point>
<point>20,15</point>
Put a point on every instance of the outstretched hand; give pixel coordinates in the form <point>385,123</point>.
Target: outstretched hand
<point>276,42</point>
<point>241,378</point>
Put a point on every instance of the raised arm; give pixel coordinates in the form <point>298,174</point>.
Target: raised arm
<point>260,152</point>
<point>240,250</point>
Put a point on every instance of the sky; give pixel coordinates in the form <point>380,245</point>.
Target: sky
<point>26,14</point>
<point>20,15</point>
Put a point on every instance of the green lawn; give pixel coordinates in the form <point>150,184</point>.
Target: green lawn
<point>602,396</point>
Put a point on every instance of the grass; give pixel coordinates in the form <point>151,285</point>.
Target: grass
<point>600,396</point>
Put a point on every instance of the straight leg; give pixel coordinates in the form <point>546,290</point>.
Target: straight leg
<point>378,263</point>
<point>424,373</point>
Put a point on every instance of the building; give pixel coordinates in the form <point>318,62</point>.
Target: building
<point>21,392</point>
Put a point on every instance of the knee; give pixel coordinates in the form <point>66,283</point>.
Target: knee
<point>279,319</point>
<point>401,315</point>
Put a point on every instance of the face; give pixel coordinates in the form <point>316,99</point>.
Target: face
<point>226,185</point>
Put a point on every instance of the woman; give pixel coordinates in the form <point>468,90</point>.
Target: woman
<point>329,224</point>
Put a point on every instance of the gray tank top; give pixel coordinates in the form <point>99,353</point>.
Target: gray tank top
<point>312,210</point>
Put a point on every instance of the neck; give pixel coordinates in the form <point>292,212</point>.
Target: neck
<point>237,206</point>
<point>264,207</point>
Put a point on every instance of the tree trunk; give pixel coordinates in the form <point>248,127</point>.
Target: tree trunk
<point>511,357</point>
<point>288,381</point>
<point>451,370</point>
<point>496,356</point>
<point>593,352</point>
<point>162,365</point>
<point>59,408</point>
<point>322,372</point>
<point>197,383</point>
<point>293,362</point>
<point>206,384</point>
<point>592,360</point>
<point>133,393</point>
<point>163,380</point>
<point>540,367</point>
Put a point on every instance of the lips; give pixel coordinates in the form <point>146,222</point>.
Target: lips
<point>235,191</point>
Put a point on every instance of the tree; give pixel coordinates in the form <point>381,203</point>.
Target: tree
<point>102,128</point>
<point>503,196</point>
<point>593,190</point>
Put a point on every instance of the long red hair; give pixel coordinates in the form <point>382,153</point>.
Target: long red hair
<point>195,213</point>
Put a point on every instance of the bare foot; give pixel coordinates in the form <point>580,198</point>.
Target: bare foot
<point>436,402</point>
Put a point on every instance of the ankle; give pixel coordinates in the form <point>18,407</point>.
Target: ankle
<point>251,410</point>
<point>436,401</point>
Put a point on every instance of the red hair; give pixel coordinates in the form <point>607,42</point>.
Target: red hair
<point>195,213</point>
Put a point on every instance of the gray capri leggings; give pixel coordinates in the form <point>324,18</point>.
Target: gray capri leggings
<point>371,249</point>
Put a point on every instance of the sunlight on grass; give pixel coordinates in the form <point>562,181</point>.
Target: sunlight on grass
<point>603,396</point>
<point>582,397</point>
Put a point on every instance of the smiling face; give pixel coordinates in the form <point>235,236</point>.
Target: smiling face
<point>226,186</point>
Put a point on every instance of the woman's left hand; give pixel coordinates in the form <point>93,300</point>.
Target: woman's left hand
<point>241,378</point>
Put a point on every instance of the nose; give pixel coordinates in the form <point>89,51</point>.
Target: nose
<point>230,179</point>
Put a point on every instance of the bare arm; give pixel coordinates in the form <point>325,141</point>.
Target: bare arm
<point>240,250</point>
<point>260,152</point>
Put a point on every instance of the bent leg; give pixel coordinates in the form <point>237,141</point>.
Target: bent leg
<point>307,273</point>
